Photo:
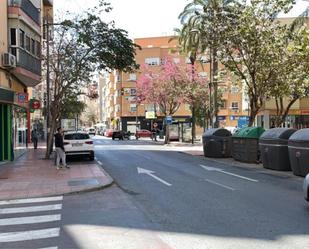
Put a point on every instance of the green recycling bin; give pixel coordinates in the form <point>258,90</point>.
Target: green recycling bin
<point>245,144</point>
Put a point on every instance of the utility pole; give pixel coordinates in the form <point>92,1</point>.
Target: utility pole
<point>47,82</point>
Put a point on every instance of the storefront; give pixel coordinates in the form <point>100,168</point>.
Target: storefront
<point>13,125</point>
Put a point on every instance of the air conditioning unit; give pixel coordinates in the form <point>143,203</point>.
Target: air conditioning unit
<point>8,60</point>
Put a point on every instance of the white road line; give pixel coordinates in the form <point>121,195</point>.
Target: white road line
<point>219,184</point>
<point>31,200</point>
<point>30,209</point>
<point>95,158</point>
<point>227,173</point>
<point>30,220</point>
<point>53,247</point>
<point>99,162</point>
<point>29,235</point>
<point>242,177</point>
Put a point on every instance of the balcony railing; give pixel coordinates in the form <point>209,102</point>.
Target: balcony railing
<point>28,7</point>
<point>27,61</point>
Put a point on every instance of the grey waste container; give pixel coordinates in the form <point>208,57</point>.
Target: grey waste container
<point>245,144</point>
<point>299,152</point>
<point>217,143</point>
<point>274,148</point>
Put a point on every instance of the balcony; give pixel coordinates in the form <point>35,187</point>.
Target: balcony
<point>28,67</point>
<point>28,8</point>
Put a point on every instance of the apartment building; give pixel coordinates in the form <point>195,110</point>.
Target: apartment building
<point>124,113</point>
<point>20,69</point>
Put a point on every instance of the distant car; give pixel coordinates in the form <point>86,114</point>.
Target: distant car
<point>91,131</point>
<point>118,134</point>
<point>78,143</point>
<point>143,133</point>
<point>306,187</point>
<point>108,133</point>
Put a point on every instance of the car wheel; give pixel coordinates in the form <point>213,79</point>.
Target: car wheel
<point>113,138</point>
<point>91,157</point>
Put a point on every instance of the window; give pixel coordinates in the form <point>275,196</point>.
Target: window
<point>117,108</point>
<point>27,43</point>
<point>32,50</point>
<point>235,106</point>
<point>234,89</point>
<point>38,49</point>
<point>202,74</point>
<point>21,38</point>
<point>132,77</point>
<point>13,37</point>
<point>133,92</point>
<point>223,104</point>
<point>176,60</point>
<point>118,78</point>
<point>152,61</point>
<point>132,107</point>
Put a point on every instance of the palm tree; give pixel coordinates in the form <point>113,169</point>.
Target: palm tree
<point>204,17</point>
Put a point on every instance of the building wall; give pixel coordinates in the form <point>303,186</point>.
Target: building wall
<point>160,47</point>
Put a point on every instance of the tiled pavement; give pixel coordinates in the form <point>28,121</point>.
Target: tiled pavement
<point>33,176</point>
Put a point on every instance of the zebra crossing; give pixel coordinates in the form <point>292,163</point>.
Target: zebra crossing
<point>30,223</point>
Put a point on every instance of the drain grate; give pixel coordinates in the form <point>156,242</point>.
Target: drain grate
<point>84,182</point>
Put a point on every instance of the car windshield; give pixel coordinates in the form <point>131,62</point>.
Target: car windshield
<point>76,136</point>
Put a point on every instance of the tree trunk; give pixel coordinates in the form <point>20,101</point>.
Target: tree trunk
<point>193,124</point>
<point>280,119</point>
<point>167,134</point>
<point>50,139</point>
<point>215,85</point>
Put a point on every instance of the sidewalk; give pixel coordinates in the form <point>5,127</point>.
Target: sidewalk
<point>33,176</point>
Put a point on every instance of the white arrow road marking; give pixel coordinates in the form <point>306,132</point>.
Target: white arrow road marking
<point>151,173</point>
<point>227,173</point>
<point>219,184</point>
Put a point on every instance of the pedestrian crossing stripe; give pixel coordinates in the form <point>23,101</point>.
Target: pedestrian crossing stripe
<point>30,209</point>
<point>31,200</point>
<point>29,235</point>
<point>30,220</point>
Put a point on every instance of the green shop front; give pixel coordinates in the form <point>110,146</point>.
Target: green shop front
<point>13,126</point>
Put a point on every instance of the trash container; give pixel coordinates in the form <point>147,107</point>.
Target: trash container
<point>274,148</point>
<point>299,152</point>
<point>217,143</point>
<point>245,144</point>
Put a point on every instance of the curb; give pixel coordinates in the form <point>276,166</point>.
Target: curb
<point>246,166</point>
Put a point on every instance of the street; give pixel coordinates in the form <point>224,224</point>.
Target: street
<point>164,199</point>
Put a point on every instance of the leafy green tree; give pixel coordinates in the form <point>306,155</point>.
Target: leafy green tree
<point>249,45</point>
<point>83,45</point>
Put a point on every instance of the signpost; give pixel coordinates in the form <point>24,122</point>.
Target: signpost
<point>169,120</point>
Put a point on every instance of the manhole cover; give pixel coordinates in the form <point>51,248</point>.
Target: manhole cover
<point>85,182</point>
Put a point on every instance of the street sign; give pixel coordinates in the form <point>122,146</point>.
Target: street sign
<point>169,120</point>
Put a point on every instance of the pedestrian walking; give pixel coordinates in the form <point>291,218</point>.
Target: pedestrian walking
<point>60,152</point>
<point>154,133</point>
<point>34,138</point>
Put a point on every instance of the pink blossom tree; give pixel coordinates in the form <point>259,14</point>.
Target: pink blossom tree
<point>169,86</point>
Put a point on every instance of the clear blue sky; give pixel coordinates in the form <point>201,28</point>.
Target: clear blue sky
<point>145,18</point>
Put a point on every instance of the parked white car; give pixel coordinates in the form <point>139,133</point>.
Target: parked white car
<point>78,143</point>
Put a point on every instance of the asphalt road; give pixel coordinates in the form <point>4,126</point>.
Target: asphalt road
<point>193,202</point>
<point>164,199</point>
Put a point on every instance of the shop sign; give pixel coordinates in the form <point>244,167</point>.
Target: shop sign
<point>22,98</point>
<point>304,112</point>
<point>150,115</point>
<point>35,104</point>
